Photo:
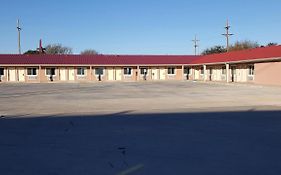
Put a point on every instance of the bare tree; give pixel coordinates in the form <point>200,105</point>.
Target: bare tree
<point>58,49</point>
<point>89,52</point>
<point>243,45</point>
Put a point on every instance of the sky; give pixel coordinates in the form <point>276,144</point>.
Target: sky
<point>137,26</point>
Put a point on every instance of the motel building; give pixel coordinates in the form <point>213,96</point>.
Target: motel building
<point>257,66</point>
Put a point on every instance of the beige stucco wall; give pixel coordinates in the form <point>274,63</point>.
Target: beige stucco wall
<point>268,73</point>
<point>148,75</point>
<point>32,79</point>
<point>178,74</point>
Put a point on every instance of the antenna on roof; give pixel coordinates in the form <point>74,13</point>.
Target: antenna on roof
<point>227,34</point>
<point>19,30</point>
<point>195,44</point>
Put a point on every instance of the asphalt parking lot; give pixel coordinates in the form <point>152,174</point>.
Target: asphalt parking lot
<point>105,98</point>
<point>140,129</point>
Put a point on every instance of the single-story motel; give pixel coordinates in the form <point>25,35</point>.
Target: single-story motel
<point>259,66</point>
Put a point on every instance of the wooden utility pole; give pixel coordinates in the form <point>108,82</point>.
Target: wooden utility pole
<point>19,29</point>
<point>227,34</point>
<point>195,44</point>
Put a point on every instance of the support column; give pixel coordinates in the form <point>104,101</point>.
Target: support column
<point>227,73</point>
<point>182,68</point>
<point>138,73</point>
<point>58,73</point>
<point>114,73</point>
<point>205,72</point>
<point>91,73</point>
<point>192,73</point>
<point>39,74</point>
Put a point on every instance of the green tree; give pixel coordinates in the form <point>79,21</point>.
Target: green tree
<point>31,52</point>
<point>214,50</point>
<point>58,49</point>
<point>89,52</point>
<point>272,44</point>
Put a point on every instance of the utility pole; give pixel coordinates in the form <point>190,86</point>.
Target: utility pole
<point>227,34</point>
<point>19,30</point>
<point>195,44</point>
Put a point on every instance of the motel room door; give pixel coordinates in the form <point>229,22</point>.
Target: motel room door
<point>196,74</point>
<point>110,72</point>
<point>63,74</point>
<point>162,74</point>
<point>118,74</point>
<point>71,73</point>
<point>21,75</point>
<point>154,74</point>
<point>11,74</point>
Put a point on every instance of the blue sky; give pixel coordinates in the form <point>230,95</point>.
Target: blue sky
<point>137,26</point>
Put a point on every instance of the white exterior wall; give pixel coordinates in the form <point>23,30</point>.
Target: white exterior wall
<point>217,74</point>
<point>241,74</point>
<point>154,74</point>
<point>162,74</point>
<point>196,74</point>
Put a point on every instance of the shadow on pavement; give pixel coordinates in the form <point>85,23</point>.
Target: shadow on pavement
<point>177,143</point>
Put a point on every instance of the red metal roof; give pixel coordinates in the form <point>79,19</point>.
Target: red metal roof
<point>97,59</point>
<point>245,55</point>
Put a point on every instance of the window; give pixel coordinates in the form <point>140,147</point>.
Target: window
<point>171,71</point>
<point>81,71</point>
<point>1,71</point>
<point>127,71</point>
<point>223,71</point>
<point>187,71</point>
<point>143,71</point>
<point>31,71</point>
<point>251,70</point>
<point>99,71</point>
<point>50,71</point>
<point>202,70</point>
